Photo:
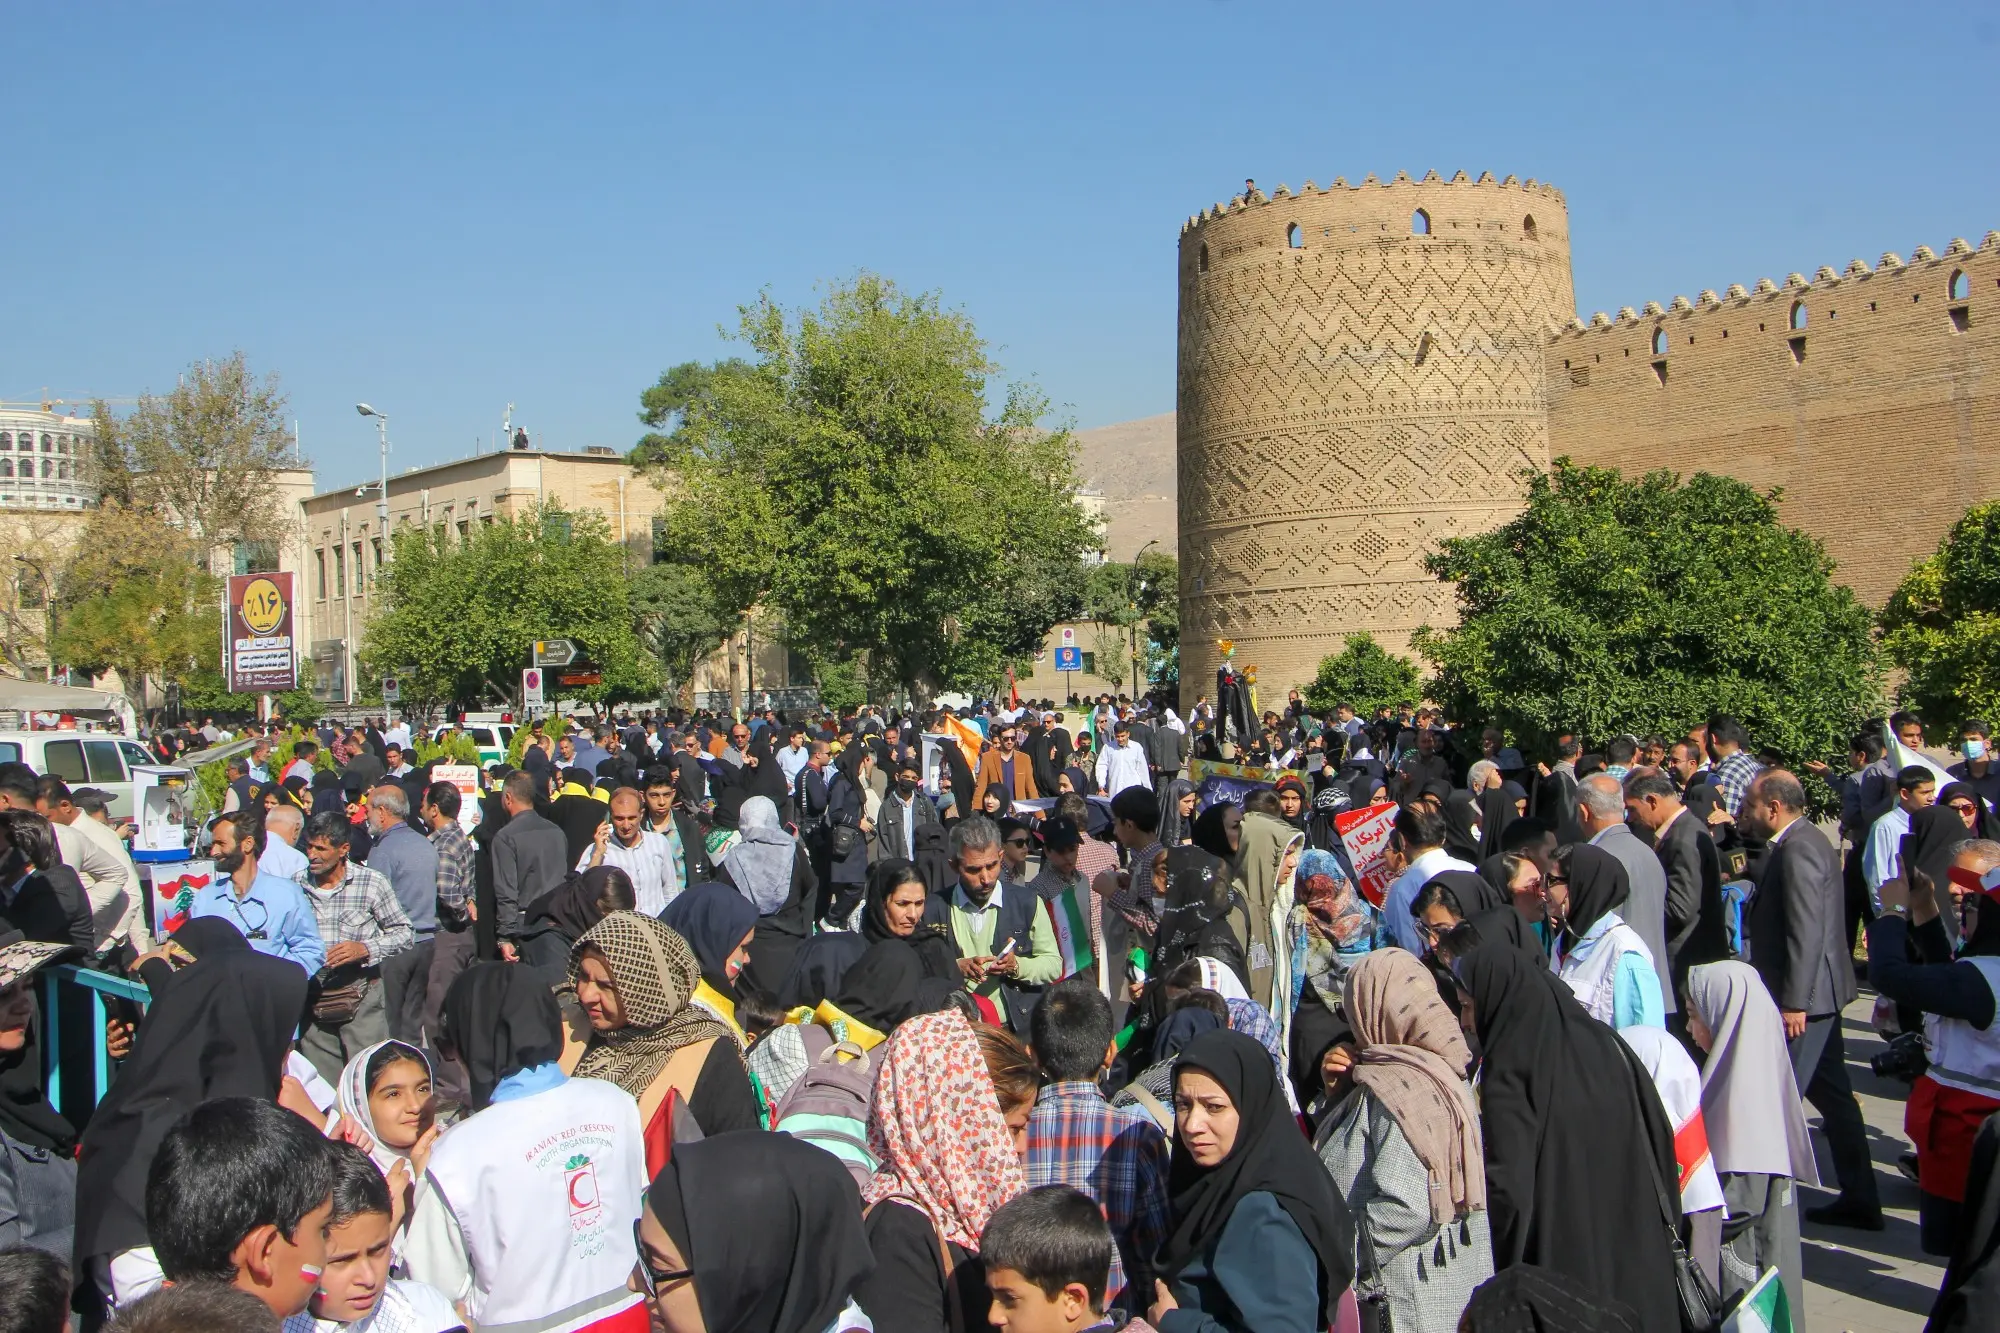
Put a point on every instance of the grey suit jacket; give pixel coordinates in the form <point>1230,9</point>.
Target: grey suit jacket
<point>530,857</point>
<point>1795,924</point>
<point>1645,908</point>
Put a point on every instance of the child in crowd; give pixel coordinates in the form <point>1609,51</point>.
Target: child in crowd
<point>200,1306</point>
<point>241,1192</point>
<point>355,1292</point>
<point>34,1291</point>
<point>1048,1258</point>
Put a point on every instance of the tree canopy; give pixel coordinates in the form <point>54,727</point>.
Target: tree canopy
<point>1145,593</point>
<point>136,597</point>
<point>1645,606</point>
<point>1942,624</point>
<point>1365,675</point>
<point>848,477</point>
<point>459,614</point>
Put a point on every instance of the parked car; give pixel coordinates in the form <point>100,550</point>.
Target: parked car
<point>492,738</point>
<point>88,759</point>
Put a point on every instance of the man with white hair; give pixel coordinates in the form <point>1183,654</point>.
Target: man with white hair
<point>1600,810</point>
<point>283,826</point>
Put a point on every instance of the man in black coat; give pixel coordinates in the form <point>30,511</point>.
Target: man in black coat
<point>1794,928</point>
<point>1696,932</point>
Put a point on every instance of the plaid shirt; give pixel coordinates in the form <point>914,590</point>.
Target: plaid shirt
<point>1733,777</point>
<point>362,908</point>
<point>454,853</point>
<point>1118,1158</point>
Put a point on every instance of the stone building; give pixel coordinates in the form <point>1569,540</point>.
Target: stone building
<point>1364,370</point>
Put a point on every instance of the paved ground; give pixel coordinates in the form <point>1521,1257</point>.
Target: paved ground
<point>1870,1282</point>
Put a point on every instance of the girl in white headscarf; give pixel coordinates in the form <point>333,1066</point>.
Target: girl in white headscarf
<point>385,1107</point>
<point>1756,1126</point>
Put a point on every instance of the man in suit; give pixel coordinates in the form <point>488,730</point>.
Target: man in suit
<point>1600,811</point>
<point>530,857</point>
<point>1794,928</point>
<point>1555,791</point>
<point>1006,767</point>
<point>1695,930</point>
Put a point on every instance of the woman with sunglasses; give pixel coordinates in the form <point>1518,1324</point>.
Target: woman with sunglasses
<point>1955,989</point>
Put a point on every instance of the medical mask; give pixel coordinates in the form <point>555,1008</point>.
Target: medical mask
<point>1973,748</point>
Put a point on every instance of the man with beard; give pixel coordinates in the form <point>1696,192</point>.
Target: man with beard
<point>272,913</point>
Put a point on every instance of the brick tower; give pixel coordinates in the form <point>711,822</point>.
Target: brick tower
<point>1361,372</point>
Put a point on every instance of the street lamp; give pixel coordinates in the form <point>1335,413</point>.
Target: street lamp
<point>1132,628</point>
<point>382,502</point>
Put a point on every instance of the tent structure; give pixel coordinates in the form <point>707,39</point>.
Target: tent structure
<point>33,696</point>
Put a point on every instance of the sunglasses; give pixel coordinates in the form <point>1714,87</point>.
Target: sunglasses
<point>655,1278</point>
<point>1020,842</point>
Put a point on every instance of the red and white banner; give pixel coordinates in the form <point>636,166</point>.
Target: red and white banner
<point>1365,834</point>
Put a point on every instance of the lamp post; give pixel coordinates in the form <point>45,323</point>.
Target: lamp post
<point>1132,627</point>
<point>382,502</point>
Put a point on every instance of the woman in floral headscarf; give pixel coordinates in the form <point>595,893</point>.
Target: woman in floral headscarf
<point>1332,928</point>
<point>952,1102</point>
<point>633,980</point>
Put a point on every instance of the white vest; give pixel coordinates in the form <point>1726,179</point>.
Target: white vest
<point>1962,1056</point>
<point>545,1190</point>
<point>1592,970</point>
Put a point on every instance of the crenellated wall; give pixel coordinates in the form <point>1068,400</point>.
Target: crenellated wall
<point>1361,372</point>
<point>1879,415</point>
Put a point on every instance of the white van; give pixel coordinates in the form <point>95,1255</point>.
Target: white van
<point>492,738</point>
<point>87,759</point>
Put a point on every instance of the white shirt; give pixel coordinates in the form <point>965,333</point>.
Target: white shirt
<point>397,735</point>
<point>654,883</point>
<point>281,858</point>
<point>1881,859</point>
<point>1122,766</point>
<point>1396,905</point>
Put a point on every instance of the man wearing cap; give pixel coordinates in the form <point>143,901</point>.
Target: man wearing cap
<point>1061,842</point>
<point>110,880</point>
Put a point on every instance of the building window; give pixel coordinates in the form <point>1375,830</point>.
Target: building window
<point>1420,223</point>
<point>257,558</point>
<point>1423,349</point>
<point>1659,342</point>
<point>1203,264</point>
<point>360,569</point>
<point>1528,227</point>
<point>62,444</point>
<point>62,469</point>
<point>378,557</point>
<point>1089,663</point>
<point>6,467</point>
<point>1960,287</point>
<point>319,562</point>
<point>48,444</point>
<point>1798,319</point>
<point>464,530</point>
<point>6,439</point>
<point>1295,238</point>
<point>340,571</point>
<point>48,466</point>
<point>1798,346</point>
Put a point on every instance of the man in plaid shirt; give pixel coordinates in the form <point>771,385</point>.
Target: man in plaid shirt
<point>1735,770</point>
<point>361,923</point>
<point>1077,1138</point>
<point>457,908</point>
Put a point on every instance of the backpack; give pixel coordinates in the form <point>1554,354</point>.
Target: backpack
<point>829,1104</point>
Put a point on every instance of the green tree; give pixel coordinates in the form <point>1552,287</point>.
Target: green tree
<point>204,456</point>
<point>848,478</point>
<point>1366,675</point>
<point>679,620</point>
<point>1644,606</point>
<point>459,614</point>
<point>1942,624</point>
<point>136,597</point>
<point>682,391</point>
<point>1141,600</point>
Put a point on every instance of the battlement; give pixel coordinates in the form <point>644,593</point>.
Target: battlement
<point>1923,261</point>
<point>1431,181</point>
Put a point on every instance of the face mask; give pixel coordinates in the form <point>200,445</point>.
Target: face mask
<point>906,785</point>
<point>1973,749</point>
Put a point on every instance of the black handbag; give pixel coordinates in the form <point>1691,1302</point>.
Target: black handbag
<point>1371,1301</point>
<point>1701,1305</point>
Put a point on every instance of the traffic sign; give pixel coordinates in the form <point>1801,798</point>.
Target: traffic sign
<point>1068,635</point>
<point>555,652</point>
<point>392,690</point>
<point>531,686</point>
<point>1069,657</point>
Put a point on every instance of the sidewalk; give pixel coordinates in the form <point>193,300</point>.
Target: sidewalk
<point>1869,1282</point>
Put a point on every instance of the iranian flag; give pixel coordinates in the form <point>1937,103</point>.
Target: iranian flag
<point>1069,913</point>
<point>1763,1308</point>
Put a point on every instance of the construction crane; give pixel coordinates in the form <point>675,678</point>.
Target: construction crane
<point>49,404</point>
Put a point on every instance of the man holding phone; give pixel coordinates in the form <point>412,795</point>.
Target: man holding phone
<point>1006,943</point>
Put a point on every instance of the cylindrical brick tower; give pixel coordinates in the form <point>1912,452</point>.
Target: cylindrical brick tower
<point>1361,374</point>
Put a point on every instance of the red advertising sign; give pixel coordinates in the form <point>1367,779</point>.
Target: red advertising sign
<point>259,649</point>
<point>1365,834</point>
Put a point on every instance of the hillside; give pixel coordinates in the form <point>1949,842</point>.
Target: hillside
<point>1132,464</point>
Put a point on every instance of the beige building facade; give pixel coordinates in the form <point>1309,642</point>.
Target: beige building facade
<point>1365,370</point>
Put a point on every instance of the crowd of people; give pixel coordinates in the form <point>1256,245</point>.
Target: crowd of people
<point>944,1021</point>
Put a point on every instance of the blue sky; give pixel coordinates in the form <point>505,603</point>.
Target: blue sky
<point>445,208</point>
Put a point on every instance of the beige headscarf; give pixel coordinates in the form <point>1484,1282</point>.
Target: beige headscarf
<point>1413,1059</point>
<point>655,972</point>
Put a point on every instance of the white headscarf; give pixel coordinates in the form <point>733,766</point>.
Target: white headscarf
<point>1216,977</point>
<point>353,1099</point>
<point>1679,1086</point>
<point>760,866</point>
<point>1755,1122</point>
<point>1174,721</point>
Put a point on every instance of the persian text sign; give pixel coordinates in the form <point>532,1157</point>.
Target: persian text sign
<point>1365,835</point>
<point>259,651</point>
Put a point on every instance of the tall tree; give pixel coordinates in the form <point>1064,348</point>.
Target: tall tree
<point>1942,624</point>
<point>136,597</point>
<point>678,620</point>
<point>1366,675</point>
<point>459,614</point>
<point>1610,606</point>
<point>849,478</point>
<point>203,456</point>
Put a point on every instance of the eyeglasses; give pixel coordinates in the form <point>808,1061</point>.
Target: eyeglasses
<point>1963,807</point>
<point>655,1278</point>
<point>1020,842</point>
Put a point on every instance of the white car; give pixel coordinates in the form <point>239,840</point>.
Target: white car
<point>492,738</point>
<point>88,759</point>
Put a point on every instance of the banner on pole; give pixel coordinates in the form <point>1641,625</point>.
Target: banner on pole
<point>1216,781</point>
<point>259,651</point>
<point>1365,835</point>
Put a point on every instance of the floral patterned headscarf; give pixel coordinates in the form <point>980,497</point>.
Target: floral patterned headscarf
<point>937,1130</point>
<point>1334,926</point>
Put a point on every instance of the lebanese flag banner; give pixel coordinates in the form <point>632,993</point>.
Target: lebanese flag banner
<point>1365,834</point>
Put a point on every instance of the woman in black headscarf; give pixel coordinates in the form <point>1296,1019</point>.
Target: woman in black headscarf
<point>846,807</point>
<point>1461,826</point>
<point>1570,1120</point>
<point>897,908</point>
<point>717,923</point>
<point>1196,922</point>
<point>1957,815</point>
<point>932,857</point>
<point>1219,830</point>
<point>500,1022</point>
<point>1498,807</point>
<point>218,1027</point>
<point>1177,828</point>
<point>1252,1209</point>
<point>560,917</point>
<point>766,1230</point>
<point>881,987</point>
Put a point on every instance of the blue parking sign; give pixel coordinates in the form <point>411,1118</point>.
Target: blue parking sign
<point>1069,659</point>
